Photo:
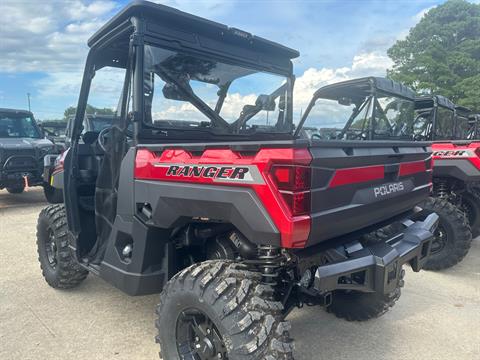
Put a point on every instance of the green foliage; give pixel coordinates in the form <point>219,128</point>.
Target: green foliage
<point>91,110</point>
<point>441,54</point>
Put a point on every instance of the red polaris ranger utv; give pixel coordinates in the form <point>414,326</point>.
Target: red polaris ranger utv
<point>456,175</point>
<point>202,190</point>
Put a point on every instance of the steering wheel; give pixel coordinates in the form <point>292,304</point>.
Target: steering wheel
<point>102,138</point>
<point>316,136</point>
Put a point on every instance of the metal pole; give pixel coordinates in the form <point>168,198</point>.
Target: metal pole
<point>28,97</point>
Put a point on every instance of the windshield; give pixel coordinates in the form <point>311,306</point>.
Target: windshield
<point>188,92</point>
<point>18,126</point>
<point>52,130</point>
<point>422,126</point>
<point>473,128</point>
<point>370,117</point>
<point>444,124</point>
<point>462,128</point>
<point>97,124</point>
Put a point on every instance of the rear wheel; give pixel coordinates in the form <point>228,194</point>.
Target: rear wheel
<point>16,189</point>
<point>53,195</point>
<point>59,267</point>
<point>219,310</point>
<point>453,236</point>
<point>358,306</point>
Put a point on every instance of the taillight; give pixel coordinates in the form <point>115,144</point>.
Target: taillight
<point>477,151</point>
<point>293,182</point>
<point>291,177</point>
<point>60,160</point>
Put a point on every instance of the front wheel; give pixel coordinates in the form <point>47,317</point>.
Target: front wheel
<point>220,310</point>
<point>58,265</point>
<point>453,236</point>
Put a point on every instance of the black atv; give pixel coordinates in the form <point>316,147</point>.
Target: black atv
<point>22,150</point>
<point>218,204</point>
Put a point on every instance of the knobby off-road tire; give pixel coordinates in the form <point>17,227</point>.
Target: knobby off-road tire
<point>53,195</point>
<point>18,189</point>
<point>250,325</point>
<point>358,306</point>
<point>471,206</point>
<point>453,236</point>
<point>59,267</point>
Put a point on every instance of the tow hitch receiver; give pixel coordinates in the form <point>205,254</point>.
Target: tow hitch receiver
<point>378,268</point>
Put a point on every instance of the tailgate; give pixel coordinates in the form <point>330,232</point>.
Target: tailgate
<point>358,184</point>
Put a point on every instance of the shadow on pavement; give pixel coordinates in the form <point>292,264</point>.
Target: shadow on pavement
<point>33,196</point>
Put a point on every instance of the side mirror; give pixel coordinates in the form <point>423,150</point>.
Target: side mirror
<point>265,102</point>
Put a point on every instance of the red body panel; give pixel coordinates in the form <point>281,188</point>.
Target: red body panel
<point>294,230</point>
<point>221,167</point>
<point>451,151</point>
<point>357,175</point>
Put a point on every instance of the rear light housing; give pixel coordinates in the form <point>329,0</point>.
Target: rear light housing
<point>293,183</point>
<point>477,151</point>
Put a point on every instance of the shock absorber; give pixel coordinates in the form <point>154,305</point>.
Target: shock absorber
<point>441,189</point>
<point>270,259</point>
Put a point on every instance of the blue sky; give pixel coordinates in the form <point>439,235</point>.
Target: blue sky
<point>43,44</point>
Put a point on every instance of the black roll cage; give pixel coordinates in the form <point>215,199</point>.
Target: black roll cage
<point>135,66</point>
<point>371,87</point>
<point>431,104</point>
<point>138,24</point>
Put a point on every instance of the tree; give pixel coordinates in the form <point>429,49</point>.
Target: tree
<point>70,111</point>
<point>441,54</point>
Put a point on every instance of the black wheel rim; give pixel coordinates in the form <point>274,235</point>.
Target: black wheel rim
<point>51,249</point>
<point>440,241</point>
<point>198,338</point>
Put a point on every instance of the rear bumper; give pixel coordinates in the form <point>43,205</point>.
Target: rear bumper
<point>378,267</point>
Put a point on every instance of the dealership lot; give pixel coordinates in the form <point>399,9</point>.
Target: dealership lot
<point>437,317</point>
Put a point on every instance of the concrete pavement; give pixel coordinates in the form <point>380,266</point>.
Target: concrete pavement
<point>437,317</point>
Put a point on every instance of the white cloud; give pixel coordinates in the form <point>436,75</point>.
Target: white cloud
<point>364,64</point>
<point>48,35</point>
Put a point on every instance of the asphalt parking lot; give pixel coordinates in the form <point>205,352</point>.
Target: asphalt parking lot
<point>437,317</point>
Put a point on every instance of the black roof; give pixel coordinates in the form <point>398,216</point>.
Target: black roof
<point>463,110</point>
<point>362,87</point>
<point>15,111</point>
<point>429,101</point>
<point>187,27</point>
